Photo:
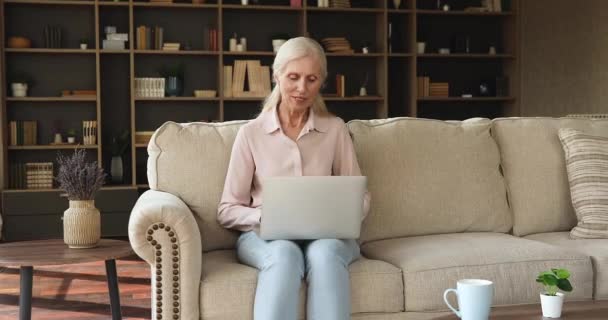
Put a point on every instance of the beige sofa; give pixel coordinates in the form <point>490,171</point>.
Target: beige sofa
<point>450,200</point>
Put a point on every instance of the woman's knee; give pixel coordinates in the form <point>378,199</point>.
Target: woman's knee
<point>327,251</point>
<point>285,253</point>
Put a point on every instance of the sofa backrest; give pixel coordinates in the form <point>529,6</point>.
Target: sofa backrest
<point>430,177</point>
<point>190,161</point>
<point>535,170</point>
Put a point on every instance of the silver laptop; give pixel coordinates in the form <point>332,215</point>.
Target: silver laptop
<point>312,207</point>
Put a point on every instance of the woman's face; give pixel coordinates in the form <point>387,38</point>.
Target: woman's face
<point>300,83</point>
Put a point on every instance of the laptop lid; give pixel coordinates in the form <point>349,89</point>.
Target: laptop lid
<point>312,207</point>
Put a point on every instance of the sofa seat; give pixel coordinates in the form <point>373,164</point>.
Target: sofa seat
<point>433,263</point>
<point>228,288</point>
<point>597,249</point>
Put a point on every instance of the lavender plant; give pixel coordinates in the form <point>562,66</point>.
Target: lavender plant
<point>80,179</point>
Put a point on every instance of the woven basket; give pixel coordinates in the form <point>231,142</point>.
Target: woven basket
<point>81,224</point>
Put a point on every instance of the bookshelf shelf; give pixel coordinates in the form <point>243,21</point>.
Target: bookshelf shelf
<point>400,55</point>
<point>51,2</point>
<point>260,7</point>
<point>465,56</point>
<point>462,13</point>
<point>346,10</point>
<point>107,51</point>
<point>51,99</point>
<point>353,99</point>
<point>53,147</point>
<point>461,99</point>
<point>178,52</point>
<point>178,99</point>
<point>50,51</point>
<point>248,53</point>
<point>356,55</point>
<point>114,4</point>
<point>174,5</point>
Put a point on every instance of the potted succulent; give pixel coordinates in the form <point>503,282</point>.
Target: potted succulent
<point>174,79</point>
<point>551,300</point>
<point>71,134</point>
<point>119,146</point>
<point>80,180</point>
<point>84,43</point>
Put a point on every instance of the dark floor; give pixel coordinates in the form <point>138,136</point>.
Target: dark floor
<point>79,291</point>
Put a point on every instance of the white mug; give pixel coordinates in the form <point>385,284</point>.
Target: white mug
<point>474,299</point>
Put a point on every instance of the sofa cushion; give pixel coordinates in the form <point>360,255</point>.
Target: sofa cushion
<point>535,170</point>
<point>190,161</point>
<point>597,249</point>
<point>587,167</point>
<point>432,264</point>
<point>228,287</point>
<point>430,177</point>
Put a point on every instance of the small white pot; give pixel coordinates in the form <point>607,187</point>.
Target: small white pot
<point>552,305</point>
<point>71,139</point>
<point>83,46</point>
<point>19,89</point>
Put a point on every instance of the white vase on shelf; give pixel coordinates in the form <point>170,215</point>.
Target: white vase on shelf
<point>397,3</point>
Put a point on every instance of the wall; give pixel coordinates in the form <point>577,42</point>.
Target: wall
<point>564,57</point>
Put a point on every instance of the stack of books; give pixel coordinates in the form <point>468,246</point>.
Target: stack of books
<point>89,132</point>
<point>23,133</point>
<point>171,46</point>
<point>439,89</point>
<point>115,41</point>
<point>39,175</point>
<point>257,76</point>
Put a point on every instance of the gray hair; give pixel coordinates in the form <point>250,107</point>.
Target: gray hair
<point>293,49</point>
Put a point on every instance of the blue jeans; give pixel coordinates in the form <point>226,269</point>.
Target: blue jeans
<point>282,266</point>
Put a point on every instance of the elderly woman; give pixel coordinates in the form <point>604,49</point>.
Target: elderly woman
<point>294,135</point>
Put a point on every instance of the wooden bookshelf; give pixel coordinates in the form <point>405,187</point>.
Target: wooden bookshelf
<point>392,69</point>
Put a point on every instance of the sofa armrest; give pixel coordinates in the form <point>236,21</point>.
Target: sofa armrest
<point>163,232</point>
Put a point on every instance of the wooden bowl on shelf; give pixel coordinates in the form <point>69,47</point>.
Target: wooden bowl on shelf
<point>19,42</point>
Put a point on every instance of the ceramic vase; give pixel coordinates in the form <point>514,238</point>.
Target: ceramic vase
<point>81,224</point>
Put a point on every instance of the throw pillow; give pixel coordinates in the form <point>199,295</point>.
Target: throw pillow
<point>587,167</point>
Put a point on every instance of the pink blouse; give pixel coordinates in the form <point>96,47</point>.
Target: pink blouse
<point>261,149</point>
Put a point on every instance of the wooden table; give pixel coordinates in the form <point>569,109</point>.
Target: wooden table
<point>28,254</point>
<point>576,310</point>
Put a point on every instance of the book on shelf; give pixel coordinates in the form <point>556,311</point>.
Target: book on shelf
<point>149,87</point>
<point>423,86</point>
<point>31,175</point>
<point>249,79</point>
<point>210,38</point>
<point>89,132</point>
<point>23,133</point>
<point>295,3</point>
<point>340,84</point>
<point>227,89</point>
